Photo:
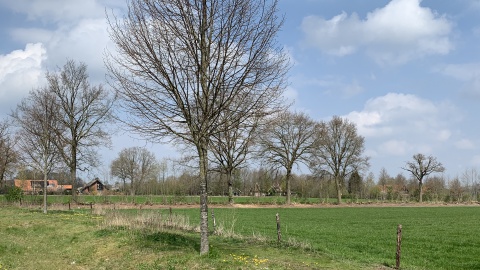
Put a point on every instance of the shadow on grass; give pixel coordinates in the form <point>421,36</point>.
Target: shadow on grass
<point>167,241</point>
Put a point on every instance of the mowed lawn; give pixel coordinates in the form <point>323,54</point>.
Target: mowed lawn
<point>313,238</point>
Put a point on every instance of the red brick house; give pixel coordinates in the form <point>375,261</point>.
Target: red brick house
<point>36,186</point>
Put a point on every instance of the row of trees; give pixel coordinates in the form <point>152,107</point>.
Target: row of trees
<point>57,126</point>
<point>330,149</point>
<point>268,182</point>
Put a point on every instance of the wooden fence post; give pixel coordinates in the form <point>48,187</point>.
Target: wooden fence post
<point>399,245</point>
<point>214,222</point>
<point>279,233</point>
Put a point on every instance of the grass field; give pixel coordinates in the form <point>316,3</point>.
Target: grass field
<point>163,199</point>
<point>312,238</point>
<point>433,237</point>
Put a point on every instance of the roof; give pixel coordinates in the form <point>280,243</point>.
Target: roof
<point>91,183</point>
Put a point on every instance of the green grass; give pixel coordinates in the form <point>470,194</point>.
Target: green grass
<point>433,237</point>
<point>79,240</point>
<point>164,200</point>
<point>312,238</point>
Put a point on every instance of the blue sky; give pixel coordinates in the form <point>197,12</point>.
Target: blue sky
<point>407,72</point>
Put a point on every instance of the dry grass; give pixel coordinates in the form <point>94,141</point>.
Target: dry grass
<point>144,220</point>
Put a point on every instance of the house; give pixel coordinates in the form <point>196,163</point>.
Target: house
<point>36,186</point>
<point>94,187</point>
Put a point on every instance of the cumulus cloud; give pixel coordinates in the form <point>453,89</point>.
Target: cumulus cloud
<point>397,33</point>
<point>20,72</point>
<point>403,122</point>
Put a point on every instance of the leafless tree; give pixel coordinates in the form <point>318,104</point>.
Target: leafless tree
<point>181,64</point>
<point>84,112</point>
<point>8,152</point>
<point>136,164</point>
<point>339,151</point>
<point>422,166</point>
<point>231,146</point>
<point>286,140</point>
<point>37,118</point>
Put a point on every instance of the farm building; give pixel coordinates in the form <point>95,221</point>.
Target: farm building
<point>94,187</point>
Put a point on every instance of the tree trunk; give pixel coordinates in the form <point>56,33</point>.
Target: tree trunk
<point>204,246</point>
<point>339,190</point>
<point>230,187</point>
<point>420,186</point>
<point>45,176</point>
<point>289,175</point>
<point>73,172</point>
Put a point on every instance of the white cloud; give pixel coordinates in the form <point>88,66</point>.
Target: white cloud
<point>394,34</point>
<point>464,144</point>
<point>55,11</point>
<point>395,147</point>
<point>468,73</point>
<point>402,123</point>
<point>20,72</point>
<point>395,112</point>
<point>290,94</point>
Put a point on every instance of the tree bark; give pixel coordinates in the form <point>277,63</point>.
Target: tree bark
<point>289,175</point>
<point>420,186</point>
<point>204,246</point>
<point>45,176</point>
<point>230,187</point>
<point>339,190</point>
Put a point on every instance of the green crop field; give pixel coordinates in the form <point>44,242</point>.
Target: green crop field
<point>433,237</point>
<point>312,238</point>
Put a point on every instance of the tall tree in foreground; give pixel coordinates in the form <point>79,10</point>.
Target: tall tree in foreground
<point>8,152</point>
<point>182,64</point>
<point>422,166</point>
<point>286,140</point>
<point>37,117</point>
<point>339,151</point>
<point>84,110</point>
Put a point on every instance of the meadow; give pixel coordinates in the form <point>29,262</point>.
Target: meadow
<point>440,237</point>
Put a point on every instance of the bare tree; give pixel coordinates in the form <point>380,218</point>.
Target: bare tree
<point>231,145</point>
<point>422,166</point>
<point>384,179</point>
<point>37,117</point>
<point>339,151</point>
<point>84,112</point>
<point>8,152</point>
<point>286,140</point>
<point>136,164</point>
<point>181,64</point>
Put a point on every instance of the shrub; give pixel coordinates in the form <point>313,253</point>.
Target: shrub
<point>14,194</point>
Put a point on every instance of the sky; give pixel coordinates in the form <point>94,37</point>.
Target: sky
<point>406,72</point>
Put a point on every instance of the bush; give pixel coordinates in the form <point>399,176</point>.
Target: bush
<point>14,194</point>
